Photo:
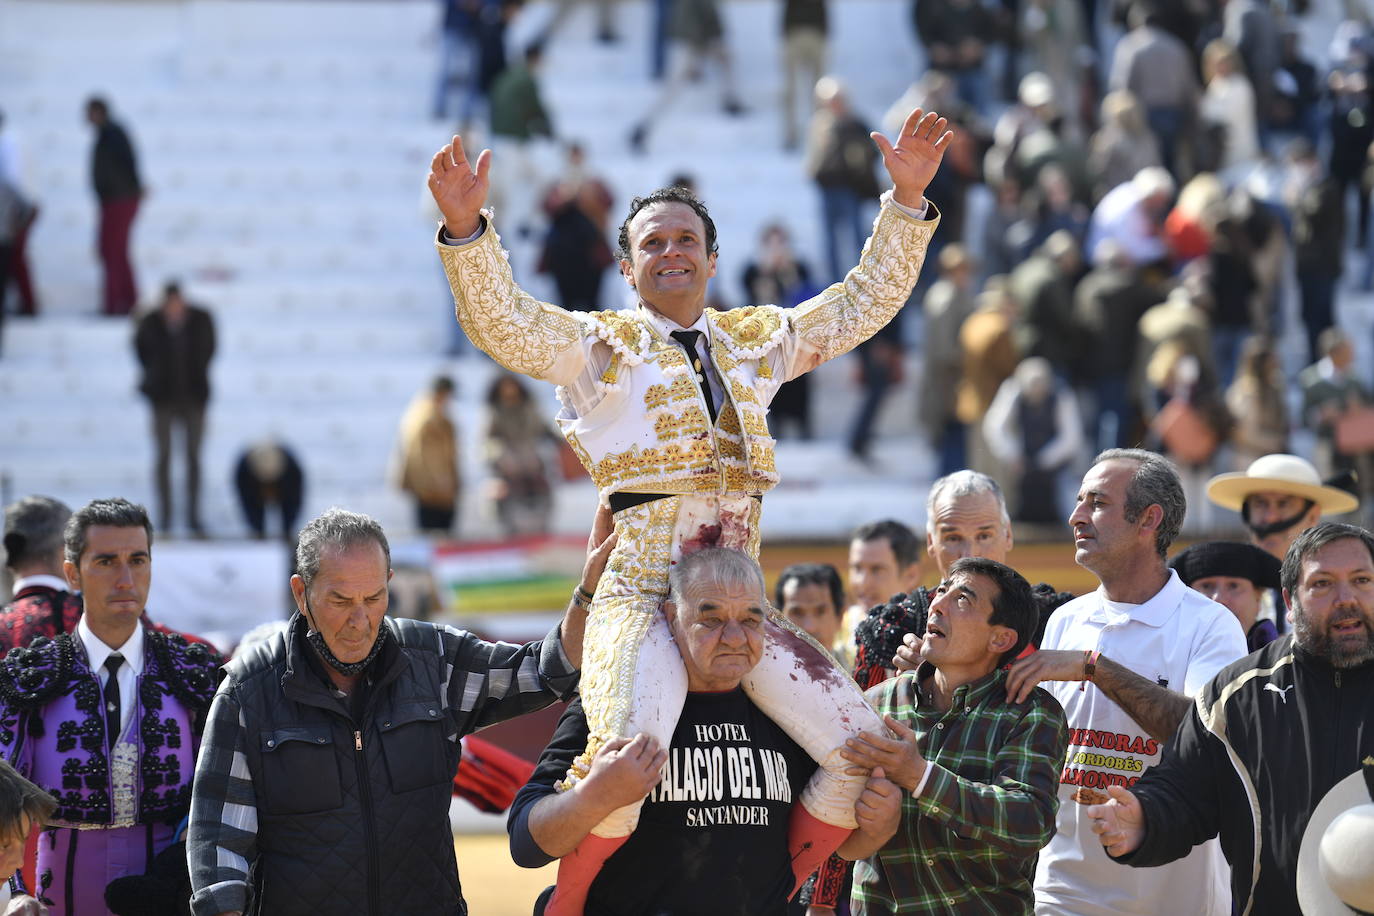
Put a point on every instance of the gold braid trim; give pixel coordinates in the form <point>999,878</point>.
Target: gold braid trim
<point>847,313</point>
<point>630,593</point>
<point>624,332</point>
<point>508,324</point>
<point>752,331</point>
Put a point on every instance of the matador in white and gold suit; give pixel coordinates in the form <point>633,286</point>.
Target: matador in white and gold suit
<point>679,448</point>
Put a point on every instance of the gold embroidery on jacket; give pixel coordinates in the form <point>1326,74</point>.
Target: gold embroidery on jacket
<point>515,329</point>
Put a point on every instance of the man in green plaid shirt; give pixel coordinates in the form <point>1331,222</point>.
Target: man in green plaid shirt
<point>980,773</point>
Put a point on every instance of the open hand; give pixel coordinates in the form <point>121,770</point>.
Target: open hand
<point>879,808</point>
<point>1043,665</point>
<point>1120,823</point>
<point>458,188</point>
<point>600,543</point>
<point>898,757</point>
<point>908,657</point>
<point>912,163</point>
<point>624,771</point>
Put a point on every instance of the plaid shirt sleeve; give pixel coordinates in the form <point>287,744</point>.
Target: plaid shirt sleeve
<point>490,682</point>
<point>485,683</point>
<point>1014,812</point>
<point>223,832</point>
<point>986,808</point>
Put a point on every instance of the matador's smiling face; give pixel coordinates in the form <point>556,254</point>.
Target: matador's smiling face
<point>669,261</point>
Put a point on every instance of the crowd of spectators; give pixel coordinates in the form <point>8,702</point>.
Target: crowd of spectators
<point>1154,200</point>
<point>1141,194</point>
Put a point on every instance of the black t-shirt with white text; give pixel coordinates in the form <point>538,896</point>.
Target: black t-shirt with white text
<point>712,836</point>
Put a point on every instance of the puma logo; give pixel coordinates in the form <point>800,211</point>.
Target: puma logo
<point>1281,691</point>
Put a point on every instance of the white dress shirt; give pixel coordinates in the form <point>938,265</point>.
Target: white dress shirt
<point>132,650</point>
<point>666,326</point>
<point>55,582</point>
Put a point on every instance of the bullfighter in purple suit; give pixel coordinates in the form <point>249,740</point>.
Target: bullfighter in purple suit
<point>118,799</point>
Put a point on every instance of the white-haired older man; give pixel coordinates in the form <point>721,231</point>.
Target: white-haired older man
<point>717,801</point>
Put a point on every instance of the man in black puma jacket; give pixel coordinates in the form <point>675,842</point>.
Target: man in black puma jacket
<point>1268,737</point>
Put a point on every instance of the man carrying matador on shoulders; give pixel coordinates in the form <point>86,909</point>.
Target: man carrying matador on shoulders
<point>666,406</point>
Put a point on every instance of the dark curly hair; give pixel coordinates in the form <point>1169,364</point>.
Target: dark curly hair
<point>675,195</point>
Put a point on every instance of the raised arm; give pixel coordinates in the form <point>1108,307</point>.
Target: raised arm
<point>1156,709</point>
<point>600,543</point>
<point>870,295</point>
<point>459,189</point>
<point>915,158</point>
<point>495,681</point>
<point>525,335</point>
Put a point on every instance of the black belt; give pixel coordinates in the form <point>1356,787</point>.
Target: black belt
<point>620,501</point>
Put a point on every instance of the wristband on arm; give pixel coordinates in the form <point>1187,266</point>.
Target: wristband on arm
<point>1090,657</point>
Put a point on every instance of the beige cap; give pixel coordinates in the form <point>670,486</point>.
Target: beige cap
<point>1279,473</point>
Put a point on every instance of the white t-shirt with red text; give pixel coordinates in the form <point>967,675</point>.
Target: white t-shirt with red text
<point>1178,639</point>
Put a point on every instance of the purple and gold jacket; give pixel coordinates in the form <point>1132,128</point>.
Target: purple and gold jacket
<point>52,726</point>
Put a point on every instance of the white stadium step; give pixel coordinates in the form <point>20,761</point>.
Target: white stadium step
<point>285,146</point>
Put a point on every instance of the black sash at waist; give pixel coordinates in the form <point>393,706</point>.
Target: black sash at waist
<point>620,501</point>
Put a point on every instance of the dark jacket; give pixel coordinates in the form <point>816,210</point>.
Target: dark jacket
<point>1049,327</point>
<point>114,168</point>
<point>1319,228</point>
<point>804,14</point>
<point>351,802</point>
<point>517,108</point>
<point>176,367</point>
<point>38,611</point>
<point>1108,303</point>
<point>1267,739</point>
<point>843,154</point>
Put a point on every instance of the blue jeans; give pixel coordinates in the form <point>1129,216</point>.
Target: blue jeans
<point>1226,341</point>
<point>1167,126</point>
<point>1115,418</point>
<point>841,215</point>
<point>1318,291</point>
<point>877,379</point>
<point>658,38</point>
<point>971,84</point>
<point>457,66</point>
<point>953,448</point>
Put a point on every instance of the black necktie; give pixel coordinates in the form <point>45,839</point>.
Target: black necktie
<point>112,697</point>
<point>688,339</point>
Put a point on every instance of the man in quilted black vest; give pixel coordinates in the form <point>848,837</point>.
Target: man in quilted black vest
<point>324,782</point>
<point>106,718</point>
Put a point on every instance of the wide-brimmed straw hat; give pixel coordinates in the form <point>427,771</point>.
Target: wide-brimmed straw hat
<point>1336,859</point>
<point>1279,474</point>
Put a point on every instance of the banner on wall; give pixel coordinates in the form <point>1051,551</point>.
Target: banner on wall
<point>523,575</point>
<point>219,590</point>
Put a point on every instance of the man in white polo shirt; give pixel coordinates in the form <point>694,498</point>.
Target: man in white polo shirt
<point>1124,661</point>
